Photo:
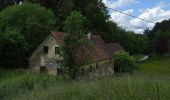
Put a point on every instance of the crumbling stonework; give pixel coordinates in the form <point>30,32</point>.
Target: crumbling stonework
<point>94,71</point>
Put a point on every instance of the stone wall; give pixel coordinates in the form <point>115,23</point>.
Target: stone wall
<point>52,65</point>
<point>97,71</point>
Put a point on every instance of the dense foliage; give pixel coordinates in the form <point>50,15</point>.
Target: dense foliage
<point>35,22</point>
<point>97,21</point>
<point>96,15</point>
<point>32,22</point>
<point>5,3</point>
<point>161,42</point>
<point>13,49</point>
<point>74,25</point>
<point>132,42</point>
<point>123,62</point>
<point>159,38</point>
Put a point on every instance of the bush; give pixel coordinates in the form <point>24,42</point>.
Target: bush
<point>2,91</point>
<point>123,62</point>
<point>27,84</point>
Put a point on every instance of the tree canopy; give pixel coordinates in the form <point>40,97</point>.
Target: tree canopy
<point>5,3</point>
<point>74,26</point>
<point>13,49</point>
<point>159,37</point>
<point>35,21</point>
<point>97,20</point>
<point>32,22</point>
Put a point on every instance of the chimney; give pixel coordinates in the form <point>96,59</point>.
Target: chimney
<point>89,35</point>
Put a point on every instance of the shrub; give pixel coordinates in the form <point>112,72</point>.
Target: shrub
<point>27,84</point>
<point>2,91</point>
<point>123,62</point>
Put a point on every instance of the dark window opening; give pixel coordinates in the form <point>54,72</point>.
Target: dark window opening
<point>60,71</point>
<point>57,50</point>
<point>82,71</point>
<point>110,61</point>
<point>97,66</point>
<point>45,49</point>
<point>43,69</point>
<point>90,68</point>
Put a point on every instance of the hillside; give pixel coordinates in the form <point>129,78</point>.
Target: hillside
<point>149,82</point>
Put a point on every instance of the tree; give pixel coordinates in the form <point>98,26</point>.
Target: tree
<point>13,48</point>
<point>161,42</point>
<point>148,33</point>
<point>74,26</point>
<point>33,21</point>
<point>132,42</point>
<point>161,26</point>
<point>61,9</point>
<point>158,37</point>
<point>6,3</point>
<point>96,15</point>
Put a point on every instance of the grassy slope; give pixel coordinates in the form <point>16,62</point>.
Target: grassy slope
<point>150,82</point>
<point>156,66</point>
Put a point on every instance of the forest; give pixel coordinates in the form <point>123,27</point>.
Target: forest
<point>25,23</point>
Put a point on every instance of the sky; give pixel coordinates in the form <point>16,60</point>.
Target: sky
<point>152,10</point>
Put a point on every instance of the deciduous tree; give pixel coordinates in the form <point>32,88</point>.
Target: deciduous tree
<point>161,42</point>
<point>33,21</point>
<point>13,49</point>
<point>74,26</point>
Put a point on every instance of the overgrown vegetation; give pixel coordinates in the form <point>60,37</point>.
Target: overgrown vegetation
<point>24,25</point>
<point>150,81</point>
<point>123,62</point>
<point>13,48</point>
<point>34,22</point>
<point>22,29</point>
<point>159,38</point>
<point>73,41</point>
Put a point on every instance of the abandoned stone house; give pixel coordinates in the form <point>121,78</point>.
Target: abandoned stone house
<point>46,56</point>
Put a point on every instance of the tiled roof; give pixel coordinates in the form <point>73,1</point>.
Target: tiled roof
<point>59,37</point>
<point>100,49</point>
<point>111,48</point>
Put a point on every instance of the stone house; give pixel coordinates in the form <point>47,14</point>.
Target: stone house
<point>46,57</point>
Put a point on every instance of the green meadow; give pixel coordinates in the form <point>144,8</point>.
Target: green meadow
<point>150,81</point>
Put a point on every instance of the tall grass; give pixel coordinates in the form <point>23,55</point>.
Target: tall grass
<point>117,87</point>
<point>19,82</point>
<point>144,84</point>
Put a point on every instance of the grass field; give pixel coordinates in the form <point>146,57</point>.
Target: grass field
<point>150,81</point>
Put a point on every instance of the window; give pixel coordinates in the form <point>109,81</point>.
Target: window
<point>82,71</point>
<point>57,50</point>
<point>43,69</point>
<point>110,61</point>
<point>45,49</point>
<point>97,66</point>
<point>60,71</point>
<point>90,69</point>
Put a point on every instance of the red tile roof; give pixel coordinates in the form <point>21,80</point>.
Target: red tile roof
<point>59,37</point>
<point>100,50</point>
<point>111,48</point>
